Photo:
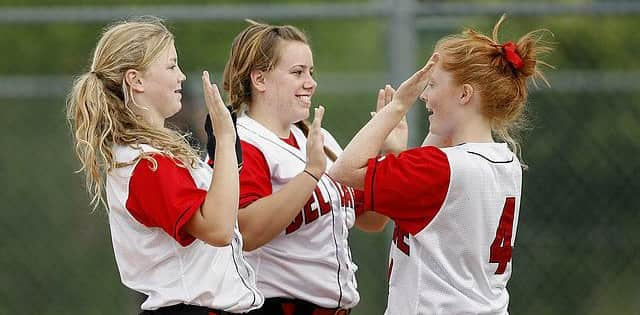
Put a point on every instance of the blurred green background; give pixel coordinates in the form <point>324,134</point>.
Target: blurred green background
<point>578,239</point>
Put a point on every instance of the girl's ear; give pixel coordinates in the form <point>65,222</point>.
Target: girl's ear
<point>467,92</point>
<point>133,78</point>
<point>257,80</point>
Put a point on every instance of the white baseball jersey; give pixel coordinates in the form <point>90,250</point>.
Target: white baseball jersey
<point>456,213</point>
<point>310,260</point>
<point>155,256</point>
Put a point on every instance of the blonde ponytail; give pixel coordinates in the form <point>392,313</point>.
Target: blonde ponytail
<point>98,106</point>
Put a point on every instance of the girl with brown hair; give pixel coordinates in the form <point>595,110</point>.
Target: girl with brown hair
<point>294,218</point>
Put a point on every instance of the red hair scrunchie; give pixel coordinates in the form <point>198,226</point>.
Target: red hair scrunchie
<point>512,55</point>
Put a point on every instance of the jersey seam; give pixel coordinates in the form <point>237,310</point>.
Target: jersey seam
<point>490,160</point>
<point>335,241</point>
<point>372,182</point>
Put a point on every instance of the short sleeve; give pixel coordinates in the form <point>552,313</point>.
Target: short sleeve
<point>358,201</point>
<point>255,177</point>
<point>166,197</point>
<point>409,188</point>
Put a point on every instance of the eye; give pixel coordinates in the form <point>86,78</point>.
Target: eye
<point>173,67</point>
<point>297,72</point>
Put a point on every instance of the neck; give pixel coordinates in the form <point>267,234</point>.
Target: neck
<point>269,119</point>
<point>151,117</point>
<point>476,130</point>
<point>148,113</point>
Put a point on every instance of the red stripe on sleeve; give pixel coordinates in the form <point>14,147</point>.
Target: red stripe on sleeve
<point>409,188</point>
<point>166,197</point>
<point>255,176</point>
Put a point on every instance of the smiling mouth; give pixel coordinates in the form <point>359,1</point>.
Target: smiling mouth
<point>304,98</point>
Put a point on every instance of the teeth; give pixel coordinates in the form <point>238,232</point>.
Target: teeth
<point>305,98</point>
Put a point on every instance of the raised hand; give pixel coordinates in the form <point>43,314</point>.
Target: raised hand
<point>316,158</point>
<point>220,117</point>
<point>410,89</point>
<point>396,141</point>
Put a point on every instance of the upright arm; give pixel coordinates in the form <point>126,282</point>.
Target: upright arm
<point>215,221</point>
<point>265,218</point>
<point>351,166</point>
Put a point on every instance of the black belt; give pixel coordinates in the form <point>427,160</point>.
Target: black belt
<point>283,306</point>
<point>184,309</point>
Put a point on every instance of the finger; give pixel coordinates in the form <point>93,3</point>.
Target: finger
<point>317,119</point>
<point>421,76</point>
<point>388,94</point>
<point>216,95</point>
<point>434,57</point>
<point>206,82</point>
<point>206,87</point>
<point>380,103</point>
<point>211,91</point>
<point>431,62</point>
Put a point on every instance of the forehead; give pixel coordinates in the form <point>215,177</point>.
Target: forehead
<point>292,53</point>
<point>439,73</point>
<point>168,53</point>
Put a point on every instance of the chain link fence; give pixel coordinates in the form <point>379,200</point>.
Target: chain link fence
<point>577,244</point>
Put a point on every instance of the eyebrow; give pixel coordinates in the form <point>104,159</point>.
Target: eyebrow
<point>303,66</point>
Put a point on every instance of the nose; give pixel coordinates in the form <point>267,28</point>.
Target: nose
<point>182,76</point>
<point>310,83</point>
<point>424,96</point>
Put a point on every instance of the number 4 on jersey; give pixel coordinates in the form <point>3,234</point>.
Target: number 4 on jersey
<point>501,248</point>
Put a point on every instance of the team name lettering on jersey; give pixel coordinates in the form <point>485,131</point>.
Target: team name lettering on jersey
<point>316,207</point>
<point>309,212</point>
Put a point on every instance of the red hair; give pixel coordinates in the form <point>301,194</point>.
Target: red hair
<point>501,79</point>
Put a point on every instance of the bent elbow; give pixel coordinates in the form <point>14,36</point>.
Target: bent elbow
<point>338,173</point>
<point>250,240</point>
<point>248,246</point>
<point>220,238</point>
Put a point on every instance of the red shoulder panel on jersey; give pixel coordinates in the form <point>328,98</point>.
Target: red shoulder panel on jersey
<point>166,198</point>
<point>255,176</point>
<point>409,188</point>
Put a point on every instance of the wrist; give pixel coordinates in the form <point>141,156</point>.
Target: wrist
<point>315,174</point>
<point>225,139</point>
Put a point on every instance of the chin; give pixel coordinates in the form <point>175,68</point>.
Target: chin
<point>302,115</point>
<point>175,110</point>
